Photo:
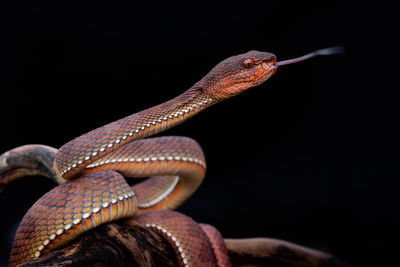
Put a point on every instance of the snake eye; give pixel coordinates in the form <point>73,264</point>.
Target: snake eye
<point>248,63</point>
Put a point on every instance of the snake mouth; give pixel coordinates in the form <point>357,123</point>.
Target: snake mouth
<point>272,68</point>
<point>269,63</point>
<point>269,66</point>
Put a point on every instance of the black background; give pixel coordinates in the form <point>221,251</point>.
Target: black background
<point>311,156</point>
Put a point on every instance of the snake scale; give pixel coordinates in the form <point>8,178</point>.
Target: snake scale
<point>91,171</point>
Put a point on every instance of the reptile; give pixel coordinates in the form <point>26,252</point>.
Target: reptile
<point>91,169</point>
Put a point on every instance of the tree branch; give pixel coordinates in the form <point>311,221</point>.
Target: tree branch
<point>273,252</point>
<point>121,243</point>
<point>127,243</point>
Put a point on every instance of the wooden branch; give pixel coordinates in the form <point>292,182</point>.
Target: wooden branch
<point>127,243</point>
<point>273,252</point>
<point>121,243</point>
<point>27,160</point>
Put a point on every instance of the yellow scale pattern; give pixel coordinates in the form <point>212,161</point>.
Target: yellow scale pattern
<point>173,160</point>
<point>69,210</point>
<point>100,196</point>
<point>168,148</point>
<point>74,156</point>
<point>191,245</point>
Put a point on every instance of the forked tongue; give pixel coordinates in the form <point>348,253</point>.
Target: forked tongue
<point>321,52</point>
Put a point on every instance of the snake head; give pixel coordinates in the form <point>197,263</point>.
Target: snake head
<point>238,73</point>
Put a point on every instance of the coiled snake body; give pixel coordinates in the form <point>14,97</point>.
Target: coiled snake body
<point>90,171</point>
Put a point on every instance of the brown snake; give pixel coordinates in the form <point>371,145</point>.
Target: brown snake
<point>91,169</point>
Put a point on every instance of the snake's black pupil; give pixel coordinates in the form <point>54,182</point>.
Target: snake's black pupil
<point>248,63</point>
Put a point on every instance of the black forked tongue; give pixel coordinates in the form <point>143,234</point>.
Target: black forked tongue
<point>321,52</point>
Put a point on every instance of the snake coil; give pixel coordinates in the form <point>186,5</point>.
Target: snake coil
<point>91,171</point>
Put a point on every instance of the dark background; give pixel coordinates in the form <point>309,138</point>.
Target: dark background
<point>311,156</point>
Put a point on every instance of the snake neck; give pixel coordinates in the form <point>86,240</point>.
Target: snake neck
<point>75,155</point>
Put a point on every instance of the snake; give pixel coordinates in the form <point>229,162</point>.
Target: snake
<point>91,169</point>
